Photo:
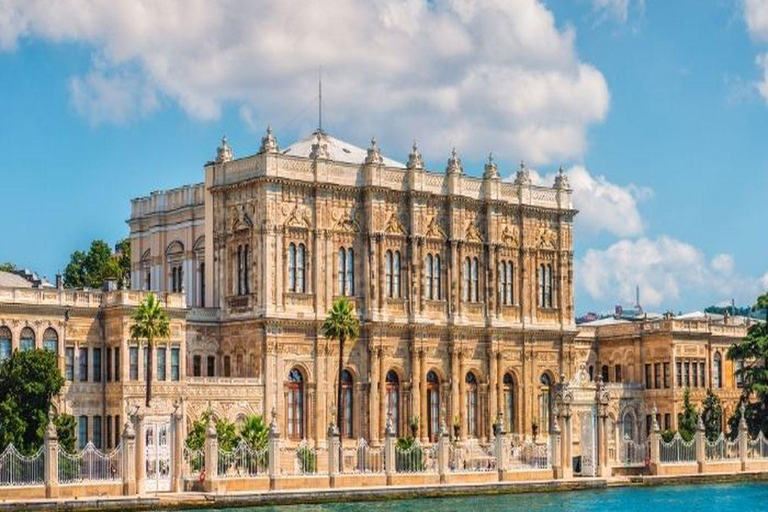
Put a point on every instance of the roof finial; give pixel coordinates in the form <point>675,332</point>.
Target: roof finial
<point>561,180</point>
<point>491,170</point>
<point>414,159</point>
<point>523,176</point>
<point>223,152</point>
<point>320,98</point>
<point>269,143</point>
<point>454,164</point>
<point>374,154</point>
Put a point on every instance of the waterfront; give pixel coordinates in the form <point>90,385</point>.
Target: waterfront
<point>702,498</point>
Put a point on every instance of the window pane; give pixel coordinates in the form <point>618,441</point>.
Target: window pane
<point>161,363</point>
<point>133,360</point>
<point>96,365</point>
<point>174,364</point>
<point>82,357</point>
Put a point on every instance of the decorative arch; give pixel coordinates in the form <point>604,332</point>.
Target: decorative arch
<point>471,388</point>
<point>51,340</point>
<point>433,405</point>
<point>174,248</point>
<point>347,404</point>
<point>509,400</point>
<point>546,387</point>
<point>27,339</point>
<point>199,244</point>
<point>295,406</point>
<point>393,394</point>
<point>5,342</point>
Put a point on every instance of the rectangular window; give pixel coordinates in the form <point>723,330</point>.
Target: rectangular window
<point>82,358</point>
<point>145,362</point>
<point>117,430</point>
<point>109,432</point>
<point>108,368</point>
<point>667,421</point>
<point>96,365</point>
<point>175,364</point>
<point>695,376</point>
<point>648,424</point>
<point>118,368</point>
<point>211,366</point>
<point>666,375</point>
<point>679,374</point>
<point>648,381</point>
<point>657,375</point>
<point>133,361</point>
<point>161,363</point>
<point>97,431</point>
<point>739,376</point>
<point>617,373</point>
<point>69,363</point>
<point>687,373</point>
<point>227,366</point>
<point>702,374</point>
<point>196,366</point>
<point>82,431</point>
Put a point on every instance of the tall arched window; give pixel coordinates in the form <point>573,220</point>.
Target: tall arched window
<point>471,383</point>
<point>605,373</point>
<point>346,271</point>
<point>506,289</point>
<point>27,339</point>
<point>428,278</point>
<point>292,267</point>
<point>467,280</point>
<point>243,263</point>
<point>509,291</point>
<point>342,264</point>
<point>396,275</point>
<point>627,427</point>
<point>5,343</point>
<point>437,277</point>
<point>388,273</point>
<point>509,403</point>
<point>346,405</point>
<point>246,268</point>
<point>295,405</point>
<point>502,278</point>
<point>717,371</point>
<point>296,268</point>
<point>393,399</point>
<point>739,373</point>
<point>474,276</point>
<point>51,340</point>
<point>545,405</point>
<point>433,406</point>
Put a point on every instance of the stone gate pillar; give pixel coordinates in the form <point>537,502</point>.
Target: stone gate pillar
<point>389,451</point>
<point>653,442</point>
<point>603,467</point>
<point>334,453</point>
<point>211,449</point>
<point>177,455</point>
<point>140,459</point>
<point>129,460</point>
<point>274,451</point>
<point>51,460</point>
<point>701,439</point>
<point>743,440</point>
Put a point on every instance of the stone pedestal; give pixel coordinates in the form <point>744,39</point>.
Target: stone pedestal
<point>211,449</point>
<point>51,460</point>
<point>273,452</point>
<point>334,454</point>
<point>129,460</point>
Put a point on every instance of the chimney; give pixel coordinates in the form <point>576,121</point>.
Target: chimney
<point>59,282</point>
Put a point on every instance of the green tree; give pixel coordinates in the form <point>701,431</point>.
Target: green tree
<point>226,432</point>
<point>712,415</point>
<point>753,352</point>
<point>150,323</point>
<point>689,418</point>
<point>65,429</point>
<point>90,269</point>
<point>255,432</point>
<point>7,267</point>
<point>341,324</point>
<point>28,382</point>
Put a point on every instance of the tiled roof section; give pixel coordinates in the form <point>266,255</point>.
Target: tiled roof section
<point>11,280</point>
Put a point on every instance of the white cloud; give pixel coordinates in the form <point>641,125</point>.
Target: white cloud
<point>618,10</point>
<point>477,74</point>
<point>665,269</point>
<point>603,206</point>
<point>111,97</point>
<point>756,16</point>
<point>762,86</point>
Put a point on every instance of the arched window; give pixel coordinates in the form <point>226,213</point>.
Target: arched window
<point>475,287</point>
<point>296,268</point>
<point>437,277</point>
<point>346,271</point>
<point>346,405</point>
<point>393,399</point>
<point>246,268</point>
<point>604,373</point>
<point>292,267</point>
<point>509,291</point>
<point>301,269</point>
<point>27,339</point>
<point>717,371</point>
<point>51,340</point>
<point>396,275</point>
<point>295,405</point>
<point>428,278</point>
<point>546,285</point>
<point>502,278</point>
<point>388,273</point>
<point>627,427</point>
<point>471,383</point>
<point>433,406</point>
<point>5,343</point>
<point>509,403</point>
<point>239,269</point>
<point>545,405</point>
<point>739,373</point>
<point>467,280</point>
<point>342,264</point>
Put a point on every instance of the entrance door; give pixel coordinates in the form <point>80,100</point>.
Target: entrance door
<point>588,437</point>
<point>158,455</point>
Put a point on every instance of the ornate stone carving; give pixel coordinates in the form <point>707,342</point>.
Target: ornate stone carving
<point>242,220</point>
<point>319,149</point>
<point>223,152</point>
<point>433,229</point>
<point>297,216</point>
<point>374,154</point>
<point>491,170</point>
<point>523,176</point>
<point>454,164</point>
<point>545,238</point>
<point>473,233</point>
<point>414,158</point>
<point>345,219</point>
<point>394,226</point>
<point>269,143</point>
<point>561,180</point>
<point>510,235</point>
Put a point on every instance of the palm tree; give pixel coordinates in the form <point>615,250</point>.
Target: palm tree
<point>341,324</point>
<point>150,322</point>
<point>254,432</point>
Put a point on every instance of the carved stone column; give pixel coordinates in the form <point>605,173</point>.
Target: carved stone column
<point>141,454</point>
<point>382,395</point>
<point>493,391</point>
<point>373,399</point>
<point>462,397</point>
<point>454,384</point>
<point>423,395</point>
<point>51,460</point>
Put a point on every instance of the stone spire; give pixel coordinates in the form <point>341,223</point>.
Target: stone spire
<point>414,158</point>
<point>561,180</point>
<point>269,143</point>
<point>374,154</point>
<point>454,164</point>
<point>319,148</point>
<point>523,176</point>
<point>223,152</point>
<point>491,170</point>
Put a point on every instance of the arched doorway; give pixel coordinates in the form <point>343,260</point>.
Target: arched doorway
<point>509,403</point>
<point>295,404</point>
<point>471,383</point>
<point>433,406</point>
<point>393,399</point>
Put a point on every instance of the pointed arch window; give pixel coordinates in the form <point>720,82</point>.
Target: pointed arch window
<point>428,277</point>
<point>509,403</point>
<point>396,275</point>
<point>475,286</point>
<point>346,405</point>
<point>437,278</point>
<point>471,287</point>
<point>506,278</point>
<point>471,382</point>
<point>433,406</point>
<point>295,404</point>
<point>546,286</point>
<point>393,399</point>
<point>467,280</point>
<point>388,264</point>
<point>627,427</point>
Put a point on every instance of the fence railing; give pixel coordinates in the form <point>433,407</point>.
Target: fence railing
<point>17,469</point>
<point>524,453</point>
<point>90,464</point>
<point>632,453</point>
<point>193,462</point>
<point>305,458</point>
<point>416,458</point>
<point>678,450</point>
<point>362,459</point>
<point>472,456</point>
<point>721,448</point>
<point>243,461</point>
<point>757,448</point>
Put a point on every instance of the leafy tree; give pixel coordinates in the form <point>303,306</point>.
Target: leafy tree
<point>150,322</point>
<point>341,324</point>
<point>753,351</point>
<point>255,432</point>
<point>226,432</point>
<point>688,418</point>
<point>65,428</point>
<point>7,267</point>
<point>712,415</point>
<point>90,269</point>
<point>28,382</point>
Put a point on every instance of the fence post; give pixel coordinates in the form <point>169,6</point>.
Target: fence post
<point>556,441</point>
<point>177,454</point>
<point>334,453</point>
<point>566,443</point>
<point>500,447</point>
<point>442,452</point>
<point>653,444</point>
<point>274,451</point>
<point>141,454</point>
<point>389,450</point>
<point>211,457</point>
<point>51,460</point>
<point>743,440</point>
<point>701,438</point>
<point>129,459</point>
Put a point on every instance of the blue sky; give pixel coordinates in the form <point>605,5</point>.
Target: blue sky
<point>656,109</point>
